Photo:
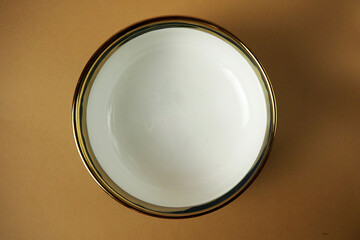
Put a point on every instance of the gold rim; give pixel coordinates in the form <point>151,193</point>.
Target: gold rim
<point>79,121</point>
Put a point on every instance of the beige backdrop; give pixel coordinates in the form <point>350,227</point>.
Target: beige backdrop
<point>310,186</point>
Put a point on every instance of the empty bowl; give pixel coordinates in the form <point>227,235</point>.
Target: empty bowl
<point>174,116</point>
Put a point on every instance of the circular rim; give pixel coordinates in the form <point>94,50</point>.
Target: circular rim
<point>79,121</point>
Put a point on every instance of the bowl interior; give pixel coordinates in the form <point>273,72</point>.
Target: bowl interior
<point>177,117</point>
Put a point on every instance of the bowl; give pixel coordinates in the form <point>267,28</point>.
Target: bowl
<point>174,117</point>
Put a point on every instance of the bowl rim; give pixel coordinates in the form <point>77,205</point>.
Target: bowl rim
<point>88,76</point>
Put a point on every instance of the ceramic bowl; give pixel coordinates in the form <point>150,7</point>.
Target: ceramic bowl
<point>174,116</point>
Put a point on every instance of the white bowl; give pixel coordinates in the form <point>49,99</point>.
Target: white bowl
<point>174,116</point>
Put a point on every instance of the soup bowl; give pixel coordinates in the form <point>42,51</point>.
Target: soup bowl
<point>174,116</point>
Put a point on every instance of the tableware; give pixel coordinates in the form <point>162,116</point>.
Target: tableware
<point>174,116</point>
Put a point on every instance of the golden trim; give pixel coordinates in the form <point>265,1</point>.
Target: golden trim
<point>79,107</point>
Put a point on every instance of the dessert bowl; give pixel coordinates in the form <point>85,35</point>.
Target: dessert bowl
<point>174,116</point>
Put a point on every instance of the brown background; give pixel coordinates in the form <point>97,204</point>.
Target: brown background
<point>310,186</point>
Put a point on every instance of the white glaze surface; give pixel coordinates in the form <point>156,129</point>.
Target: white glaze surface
<point>176,117</point>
